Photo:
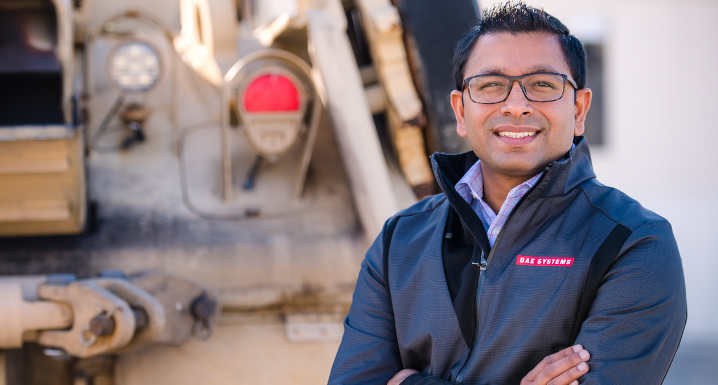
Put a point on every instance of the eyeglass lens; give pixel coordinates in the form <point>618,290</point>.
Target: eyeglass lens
<point>494,88</point>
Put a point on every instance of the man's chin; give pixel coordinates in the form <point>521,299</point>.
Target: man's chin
<point>519,168</point>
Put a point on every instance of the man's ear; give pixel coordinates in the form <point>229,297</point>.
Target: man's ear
<point>583,103</point>
<point>457,104</point>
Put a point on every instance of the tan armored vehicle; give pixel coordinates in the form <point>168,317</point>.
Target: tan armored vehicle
<point>187,187</point>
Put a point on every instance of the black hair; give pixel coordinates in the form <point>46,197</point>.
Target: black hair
<point>517,17</point>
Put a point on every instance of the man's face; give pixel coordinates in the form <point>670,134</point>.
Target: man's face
<point>550,125</point>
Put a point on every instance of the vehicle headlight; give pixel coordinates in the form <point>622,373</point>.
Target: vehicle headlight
<point>134,66</point>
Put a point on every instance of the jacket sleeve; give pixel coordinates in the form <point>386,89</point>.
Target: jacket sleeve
<point>637,318</point>
<point>369,352</point>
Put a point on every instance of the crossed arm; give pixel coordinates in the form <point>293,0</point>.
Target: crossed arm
<point>562,368</point>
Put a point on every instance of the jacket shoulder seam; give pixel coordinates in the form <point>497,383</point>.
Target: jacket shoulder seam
<point>422,212</point>
<point>639,226</point>
<point>604,212</point>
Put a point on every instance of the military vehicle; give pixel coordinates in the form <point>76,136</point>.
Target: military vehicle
<point>187,187</point>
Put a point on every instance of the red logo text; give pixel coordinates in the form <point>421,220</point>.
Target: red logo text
<point>539,261</point>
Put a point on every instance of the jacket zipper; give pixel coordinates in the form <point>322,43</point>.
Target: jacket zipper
<point>483,265</point>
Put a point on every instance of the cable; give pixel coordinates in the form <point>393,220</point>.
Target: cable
<point>101,131</point>
<point>253,173</point>
<point>230,216</point>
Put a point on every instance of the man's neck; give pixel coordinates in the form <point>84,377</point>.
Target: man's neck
<point>497,186</point>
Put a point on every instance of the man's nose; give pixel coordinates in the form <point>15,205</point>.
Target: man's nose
<point>516,104</point>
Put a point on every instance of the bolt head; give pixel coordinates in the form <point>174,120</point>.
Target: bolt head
<point>102,325</point>
<point>204,307</point>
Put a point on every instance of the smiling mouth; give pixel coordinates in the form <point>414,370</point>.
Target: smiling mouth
<point>516,135</point>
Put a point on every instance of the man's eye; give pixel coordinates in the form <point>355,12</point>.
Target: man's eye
<point>542,84</point>
<point>490,85</point>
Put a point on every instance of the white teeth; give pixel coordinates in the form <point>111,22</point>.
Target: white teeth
<point>517,134</point>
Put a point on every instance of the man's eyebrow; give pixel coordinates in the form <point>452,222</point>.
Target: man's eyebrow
<point>499,71</point>
<point>543,68</point>
<point>492,71</point>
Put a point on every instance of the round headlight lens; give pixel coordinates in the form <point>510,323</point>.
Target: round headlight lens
<point>134,66</point>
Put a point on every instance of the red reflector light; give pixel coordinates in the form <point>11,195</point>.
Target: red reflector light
<point>271,93</point>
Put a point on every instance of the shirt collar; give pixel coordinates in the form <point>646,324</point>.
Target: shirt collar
<point>472,183</point>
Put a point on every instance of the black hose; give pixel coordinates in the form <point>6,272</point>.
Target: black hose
<point>253,173</point>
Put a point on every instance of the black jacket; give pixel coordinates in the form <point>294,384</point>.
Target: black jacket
<point>453,321</point>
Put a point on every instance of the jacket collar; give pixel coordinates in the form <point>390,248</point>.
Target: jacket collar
<point>448,170</point>
<point>562,176</point>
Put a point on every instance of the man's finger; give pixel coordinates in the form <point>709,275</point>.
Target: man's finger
<point>555,369</point>
<point>570,376</point>
<point>401,376</point>
<point>551,359</point>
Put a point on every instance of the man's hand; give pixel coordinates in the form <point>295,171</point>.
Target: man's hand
<point>562,368</point>
<point>401,376</point>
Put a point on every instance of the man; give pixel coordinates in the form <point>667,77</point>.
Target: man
<point>486,283</point>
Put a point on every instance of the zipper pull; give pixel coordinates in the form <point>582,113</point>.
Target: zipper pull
<point>482,264</point>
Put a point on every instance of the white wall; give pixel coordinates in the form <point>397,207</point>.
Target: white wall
<point>661,60</point>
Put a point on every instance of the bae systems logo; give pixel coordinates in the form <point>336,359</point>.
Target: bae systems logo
<point>538,261</point>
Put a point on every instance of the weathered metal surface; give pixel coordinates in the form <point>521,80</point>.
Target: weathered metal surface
<point>195,42</point>
<point>112,314</point>
<point>342,92</point>
<point>21,312</point>
<point>144,307</point>
<point>44,184</point>
<point>35,211</point>
<point>29,162</point>
<point>37,132</point>
<point>41,161</point>
<point>235,83</point>
<point>178,299</point>
<point>140,221</point>
<point>87,300</point>
<point>265,269</point>
<point>243,350</point>
<point>317,327</point>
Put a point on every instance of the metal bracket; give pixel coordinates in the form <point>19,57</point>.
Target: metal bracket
<point>185,304</point>
<point>147,311</point>
<point>88,300</point>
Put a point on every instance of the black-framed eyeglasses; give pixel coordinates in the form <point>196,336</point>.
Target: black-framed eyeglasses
<point>537,87</point>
